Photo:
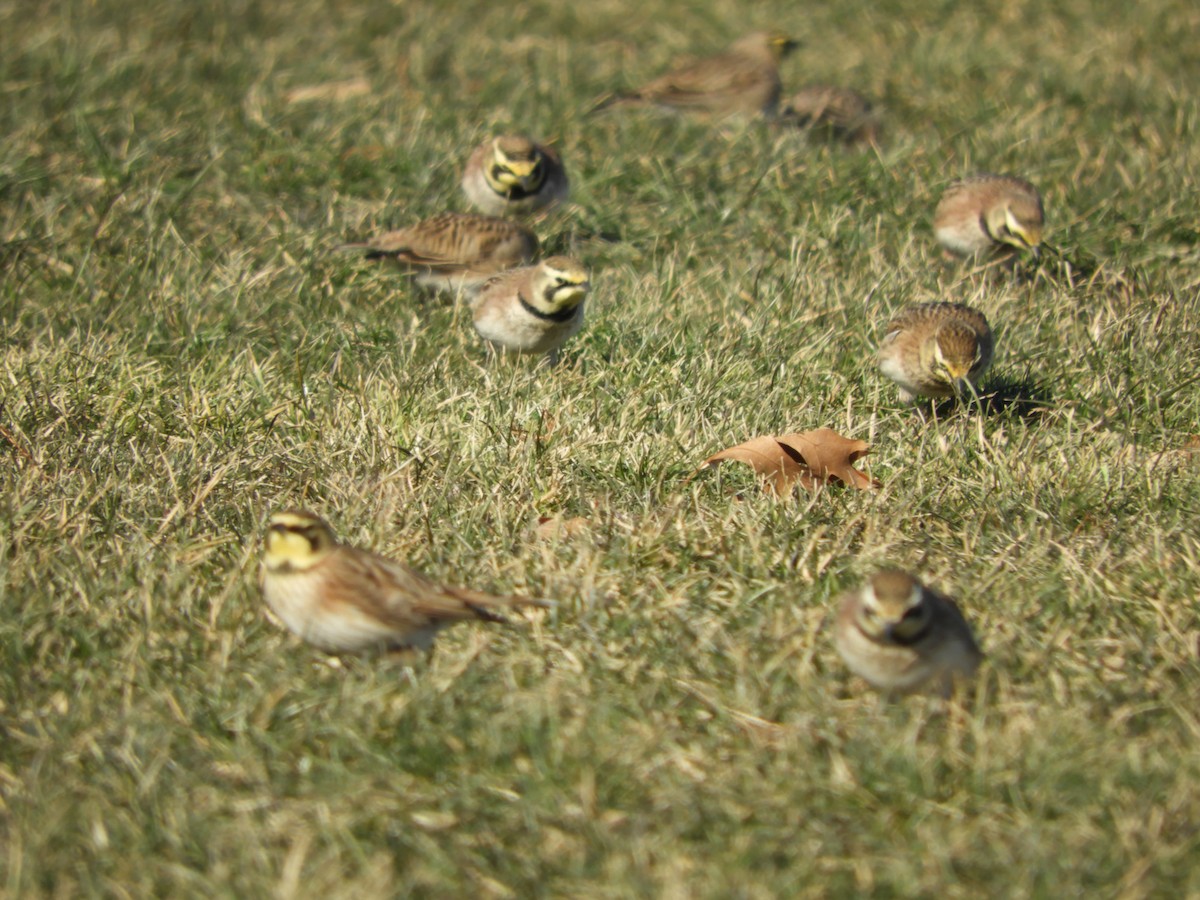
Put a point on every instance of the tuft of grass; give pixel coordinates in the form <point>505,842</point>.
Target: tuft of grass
<point>182,352</point>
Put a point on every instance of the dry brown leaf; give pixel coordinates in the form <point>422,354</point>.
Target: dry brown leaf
<point>810,458</point>
<point>1169,460</point>
<point>551,527</point>
<point>334,91</point>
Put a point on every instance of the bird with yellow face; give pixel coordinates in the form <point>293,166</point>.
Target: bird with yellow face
<point>533,309</point>
<point>514,174</point>
<point>989,215</point>
<point>936,350</point>
<point>342,599</point>
<point>901,636</point>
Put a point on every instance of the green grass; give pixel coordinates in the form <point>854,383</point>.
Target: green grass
<point>181,353</point>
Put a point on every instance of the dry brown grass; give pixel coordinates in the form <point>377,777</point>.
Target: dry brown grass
<point>181,354</point>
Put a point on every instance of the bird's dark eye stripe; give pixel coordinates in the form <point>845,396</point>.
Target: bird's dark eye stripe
<point>308,532</point>
<point>501,167</point>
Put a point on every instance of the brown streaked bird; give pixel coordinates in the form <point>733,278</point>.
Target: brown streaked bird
<point>838,113</point>
<point>454,252</point>
<point>989,215</point>
<point>533,309</point>
<point>744,80</point>
<point>901,636</point>
<point>343,599</point>
<point>936,350</point>
<point>514,174</point>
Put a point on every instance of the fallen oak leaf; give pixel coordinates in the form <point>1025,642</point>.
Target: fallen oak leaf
<point>831,457</point>
<point>810,458</point>
<point>768,458</point>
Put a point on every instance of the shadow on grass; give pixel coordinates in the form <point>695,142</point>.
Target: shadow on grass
<point>1078,270</point>
<point>568,241</point>
<point>1059,268</point>
<point>1024,398</point>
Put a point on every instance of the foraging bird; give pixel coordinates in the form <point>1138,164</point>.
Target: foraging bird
<point>936,350</point>
<point>533,309</point>
<point>838,113</point>
<point>744,80</point>
<point>514,174</point>
<point>900,635</point>
<point>454,252</point>
<point>343,599</point>
<point>989,214</point>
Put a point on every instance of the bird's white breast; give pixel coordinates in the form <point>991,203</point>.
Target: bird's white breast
<point>296,597</point>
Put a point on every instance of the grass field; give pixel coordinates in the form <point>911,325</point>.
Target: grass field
<point>182,353</point>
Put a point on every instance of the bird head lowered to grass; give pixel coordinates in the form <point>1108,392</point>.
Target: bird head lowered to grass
<point>453,252</point>
<point>936,350</point>
<point>990,214</point>
<point>741,81</point>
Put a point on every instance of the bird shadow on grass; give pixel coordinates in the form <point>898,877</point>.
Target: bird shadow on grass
<point>1024,398</point>
<point>570,241</point>
<point>1079,270</point>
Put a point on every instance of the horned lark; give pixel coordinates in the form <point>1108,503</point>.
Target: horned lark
<point>514,174</point>
<point>744,80</point>
<point>453,252</point>
<point>342,599</point>
<point>900,635</point>
<point>989,214</point>
<point>838,113</point>
<point>936,350</point>
<point>533,309</point>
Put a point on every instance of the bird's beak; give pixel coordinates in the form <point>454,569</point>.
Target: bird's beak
<point>783,45</point>
<point>958,380</point>
<point>571,293</point>
<point>958,373</point>
<point>1032,239</point>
